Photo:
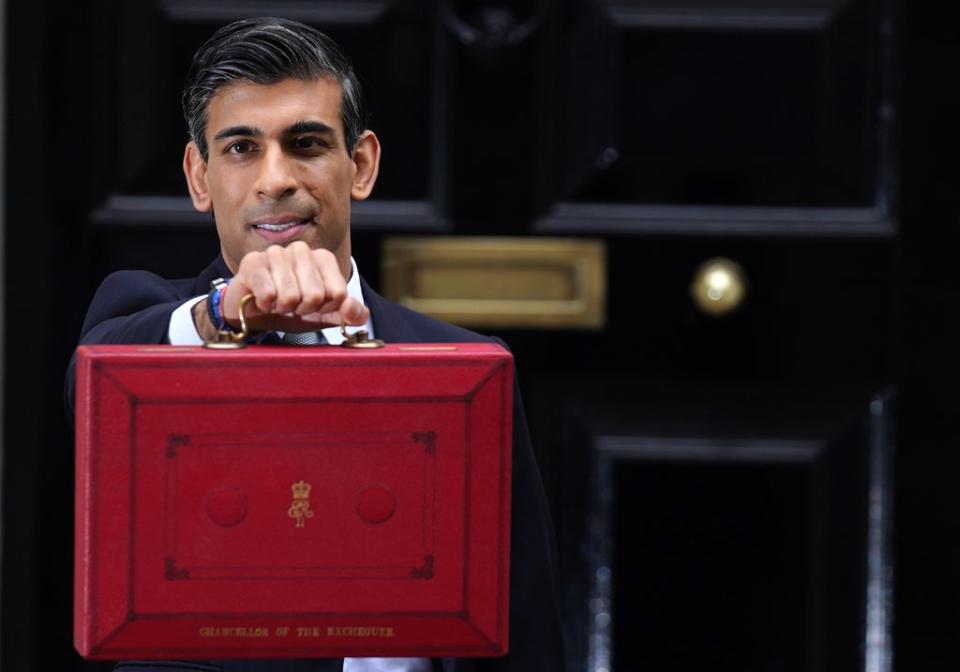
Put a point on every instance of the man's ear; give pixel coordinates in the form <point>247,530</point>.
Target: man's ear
<point>195,170</point>
<point>366,160</point>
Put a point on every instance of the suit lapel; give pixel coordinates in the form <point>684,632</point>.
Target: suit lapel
<point>389,321</point>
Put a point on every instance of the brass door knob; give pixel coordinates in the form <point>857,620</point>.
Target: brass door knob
<point>719,286</point>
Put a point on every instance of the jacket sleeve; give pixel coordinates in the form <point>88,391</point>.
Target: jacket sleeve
<point>129,307</point>
<point>536,637</point>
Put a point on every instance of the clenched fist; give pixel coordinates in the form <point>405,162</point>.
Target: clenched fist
<point>295,289</point>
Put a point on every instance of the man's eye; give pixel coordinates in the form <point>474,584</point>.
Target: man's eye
<point>307,142</point>
<point>240,147</point>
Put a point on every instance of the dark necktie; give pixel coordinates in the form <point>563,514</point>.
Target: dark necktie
<point>306,338</point>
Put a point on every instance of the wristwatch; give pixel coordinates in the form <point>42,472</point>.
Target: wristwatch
<point>214,309</point>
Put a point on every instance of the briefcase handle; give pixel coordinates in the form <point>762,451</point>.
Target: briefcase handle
<point>227,339</point>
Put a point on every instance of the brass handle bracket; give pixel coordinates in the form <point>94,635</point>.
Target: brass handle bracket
<point>232,340</point>
<point>360,339</point>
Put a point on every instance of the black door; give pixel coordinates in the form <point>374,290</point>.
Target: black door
<point>724,483</point>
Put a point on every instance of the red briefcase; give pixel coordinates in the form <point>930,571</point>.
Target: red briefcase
<point>292,502</point>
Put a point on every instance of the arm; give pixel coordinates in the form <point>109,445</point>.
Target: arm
<point>128,307</point>
<point>295,288</point>
<point>536,639</point>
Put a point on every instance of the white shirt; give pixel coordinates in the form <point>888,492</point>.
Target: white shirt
<point>182,331</point>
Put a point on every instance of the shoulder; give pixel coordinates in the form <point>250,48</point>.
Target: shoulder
<point>123,292</point>
<point>139,288</point>
<point>440,331</point>
<point>399,324</point>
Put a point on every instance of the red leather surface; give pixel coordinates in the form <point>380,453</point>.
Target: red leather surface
<point>277,501</point>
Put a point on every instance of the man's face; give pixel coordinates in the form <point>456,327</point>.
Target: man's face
<point>278,168</point>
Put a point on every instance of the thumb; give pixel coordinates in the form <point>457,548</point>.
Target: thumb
<point>354,312</point>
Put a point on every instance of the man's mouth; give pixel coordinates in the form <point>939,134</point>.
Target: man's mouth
<point>280,227</point>
<point>280,230</point>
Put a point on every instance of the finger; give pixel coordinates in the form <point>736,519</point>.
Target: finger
<point>263,288</point>
<point>253,277</point>
<point>295,323</point>
<point>351,312</point>
<point>312,290</point>
<point>335,286</point>
<point>354,312</point>
<point>284,279</point>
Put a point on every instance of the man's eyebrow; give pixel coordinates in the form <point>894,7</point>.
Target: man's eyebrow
<point>309,127</point>
<point>234,131</point>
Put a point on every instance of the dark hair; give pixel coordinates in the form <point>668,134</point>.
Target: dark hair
<point>268,50</point>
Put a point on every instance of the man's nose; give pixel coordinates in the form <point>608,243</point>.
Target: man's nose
<point>277,177</point>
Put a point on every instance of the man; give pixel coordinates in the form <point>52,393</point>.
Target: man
<point>278,149</point>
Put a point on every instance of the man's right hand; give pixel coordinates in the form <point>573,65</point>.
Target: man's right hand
<point>295,289</point>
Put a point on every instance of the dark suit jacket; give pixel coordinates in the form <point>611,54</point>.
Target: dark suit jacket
<point>135,307</point>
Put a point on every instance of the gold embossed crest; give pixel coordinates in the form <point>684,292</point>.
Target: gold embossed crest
<point>300,507</point>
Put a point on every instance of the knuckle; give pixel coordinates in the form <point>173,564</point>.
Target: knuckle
<point>251,261</point>
<point>301,255</point>
<point>323,255</point>
<point>262,287</point>
<point>287,300</point>
<point>316,293</point>
<point>261,282</point>
<point>337,294</point>
<point>264,302</point>
<point>314,299</point>
<point>266,297</point>
<point>274,252</point>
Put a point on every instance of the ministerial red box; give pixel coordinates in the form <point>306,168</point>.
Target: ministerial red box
<point>292,502</point>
